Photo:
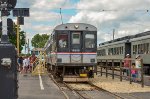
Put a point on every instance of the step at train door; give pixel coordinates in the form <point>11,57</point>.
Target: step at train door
<point>76,47</point>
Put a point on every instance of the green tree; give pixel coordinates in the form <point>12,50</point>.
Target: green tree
<point>38,41</point>
<point>13,38</point>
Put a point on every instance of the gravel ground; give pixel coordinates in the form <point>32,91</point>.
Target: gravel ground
<point>117,86</point>
<point>81,86</point>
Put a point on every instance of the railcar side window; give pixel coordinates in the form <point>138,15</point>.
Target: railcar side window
<point>146,51</point>
<point>76,38</point>
<point>143,48</point>
<point>101,52</point>
<point>98,53</point>
<point>110,51</point>
<point>115,51</point>
<point>120,50</point>
<point>134,49</point>
<point>89,41</point>
<point>63,40</point>
<point>139,49</point>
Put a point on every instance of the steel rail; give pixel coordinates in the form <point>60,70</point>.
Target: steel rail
<point>81,96</point>
<point>114,94</point>
<point>51,76</point>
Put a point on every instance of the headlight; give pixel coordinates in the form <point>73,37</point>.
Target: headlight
<point>59,60</point>
<point>92,60</point>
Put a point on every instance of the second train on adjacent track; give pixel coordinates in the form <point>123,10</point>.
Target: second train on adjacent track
<point>133,45</point>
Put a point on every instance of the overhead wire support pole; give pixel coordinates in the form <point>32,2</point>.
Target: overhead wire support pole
<point>18,36</point>
<point>61,16</point>
<point>113,34</point>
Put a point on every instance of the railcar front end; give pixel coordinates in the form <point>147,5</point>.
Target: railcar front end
<point>73,51</point>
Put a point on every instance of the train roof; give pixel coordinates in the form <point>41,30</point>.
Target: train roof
<point>127,38</point>
<point>138,37</point>
<point>76,26</point>
<point>116,40</point>
<point>113,43</point>
<point>142,34</point>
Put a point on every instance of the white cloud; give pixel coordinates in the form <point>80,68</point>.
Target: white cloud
<point>43,15</point>
<point>125,16</point>
<point>106,15</point>
<point>52,4</point>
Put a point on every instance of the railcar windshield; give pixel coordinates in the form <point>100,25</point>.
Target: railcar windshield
<point>63,40</point>
<point>76,38</point>
<point>89,41</point>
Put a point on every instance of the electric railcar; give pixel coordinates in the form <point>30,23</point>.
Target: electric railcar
<point>133,45</point>
<point>71,51</point>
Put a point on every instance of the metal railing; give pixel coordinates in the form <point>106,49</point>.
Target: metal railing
<point>110,70</point>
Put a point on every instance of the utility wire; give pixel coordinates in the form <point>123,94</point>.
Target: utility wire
<point>105,10</point>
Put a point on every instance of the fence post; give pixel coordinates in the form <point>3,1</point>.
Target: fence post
<point>142,75</point>
<point>120,70</point>
<point>101,67</point>
<point>130,72</point>
<point>106,69</point>
<point>112,69</point>
<point>64,68</point>
<point>95,68</point>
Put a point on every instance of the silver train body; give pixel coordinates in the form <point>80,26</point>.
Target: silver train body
<point>138,44</point>
<point>72,46</point>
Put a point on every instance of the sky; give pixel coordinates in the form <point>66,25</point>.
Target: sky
<point>127,17</point>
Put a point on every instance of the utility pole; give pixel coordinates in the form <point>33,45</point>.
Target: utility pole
<point>18,36</point>
<point>61,16</point>
<point>113,34</point>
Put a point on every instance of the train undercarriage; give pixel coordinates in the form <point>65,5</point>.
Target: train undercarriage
<point>72,73</point>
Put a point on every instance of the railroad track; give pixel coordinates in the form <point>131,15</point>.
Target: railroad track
<point>88,93</point>
<point>94,92</point>
<point>67,91</point>
<point>85,93</point>
<point>116,95</point>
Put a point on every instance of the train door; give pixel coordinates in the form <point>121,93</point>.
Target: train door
<point>76,47</point>
<point>127,48</point>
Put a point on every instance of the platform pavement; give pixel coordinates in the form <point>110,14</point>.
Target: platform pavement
<point>31,87</point>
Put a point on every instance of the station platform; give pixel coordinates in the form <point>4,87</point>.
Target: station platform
<point>38,87</point>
